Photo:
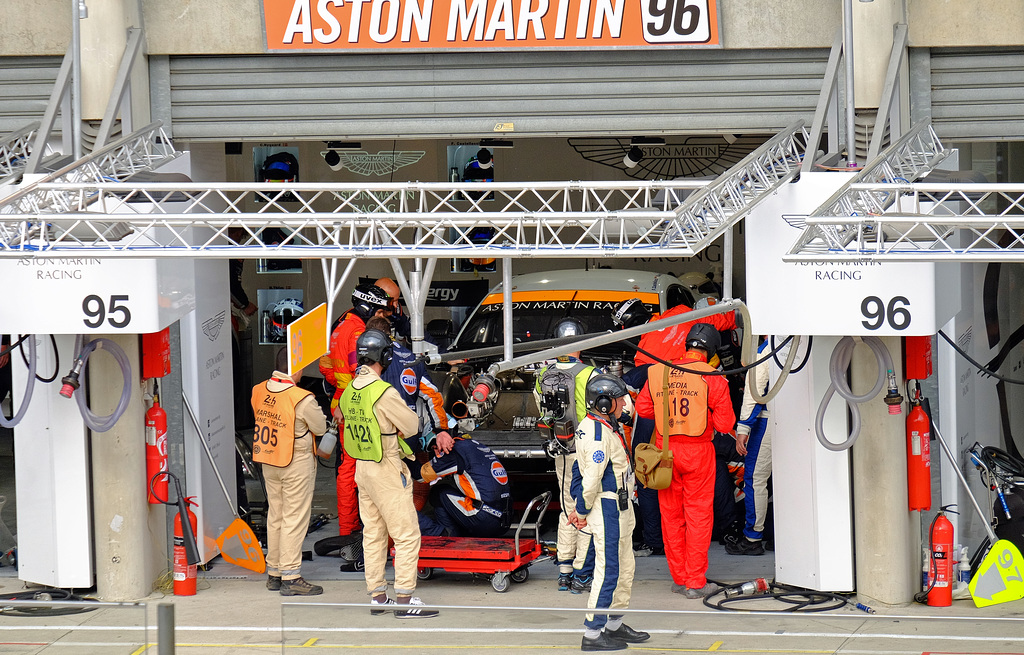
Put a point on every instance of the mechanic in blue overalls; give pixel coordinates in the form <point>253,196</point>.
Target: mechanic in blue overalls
<point>412,381</point>
<point>470,493</point>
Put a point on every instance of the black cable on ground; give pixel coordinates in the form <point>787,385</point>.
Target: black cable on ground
<point>44,596</point>
<point>793,599</point>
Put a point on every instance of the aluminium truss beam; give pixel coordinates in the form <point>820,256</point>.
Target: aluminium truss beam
<point>61,217</point>
<point>15,149</point>
<point>868,193</point>
<point>928,222</point>
<point>60,191</point>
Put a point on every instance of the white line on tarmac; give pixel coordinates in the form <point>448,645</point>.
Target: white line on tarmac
<point>400,630</point>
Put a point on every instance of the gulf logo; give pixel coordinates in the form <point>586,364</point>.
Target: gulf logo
<point>498,471</point>
<point>408,379</point>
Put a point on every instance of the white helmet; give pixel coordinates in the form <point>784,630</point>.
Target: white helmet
<point>282,313</point>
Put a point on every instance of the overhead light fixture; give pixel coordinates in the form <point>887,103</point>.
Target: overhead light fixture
<point>633,157</point>
<point>331,155</point>
<point>647,141</point>
<point>495,143</point>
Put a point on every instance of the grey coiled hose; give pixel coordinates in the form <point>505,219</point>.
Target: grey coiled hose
<point>842,354</point>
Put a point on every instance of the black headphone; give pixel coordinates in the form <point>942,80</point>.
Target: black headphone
<point>604,404</point>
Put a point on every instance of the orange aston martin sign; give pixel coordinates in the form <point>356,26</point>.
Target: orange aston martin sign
<point>487,24</point>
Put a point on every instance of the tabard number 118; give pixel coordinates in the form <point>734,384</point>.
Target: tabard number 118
<point>877,312</point>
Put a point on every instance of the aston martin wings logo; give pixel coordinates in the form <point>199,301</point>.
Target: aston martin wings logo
<point>212,326</point>
<point>681,156</point>
<point>384,162</point>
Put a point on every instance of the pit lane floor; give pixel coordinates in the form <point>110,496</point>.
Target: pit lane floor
<point>234,614</point>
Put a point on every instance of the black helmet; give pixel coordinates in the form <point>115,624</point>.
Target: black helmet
<point>367,299</point>
<point>374,347</point>
<point>705,337</point>
<point>568,327</point>
<point>602,390</point>
<point>630,313</point>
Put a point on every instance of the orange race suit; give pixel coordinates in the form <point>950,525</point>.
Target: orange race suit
<point>338,368</point>
<point>698,406</point>
<point>670,343</point>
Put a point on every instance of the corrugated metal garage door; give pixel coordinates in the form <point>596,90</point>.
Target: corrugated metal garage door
<point>25,87</point>
<point>978,94</point>
<point>466,94</point>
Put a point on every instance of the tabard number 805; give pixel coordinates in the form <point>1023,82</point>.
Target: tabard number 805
<point>895,313</point>
<point>115,312</point>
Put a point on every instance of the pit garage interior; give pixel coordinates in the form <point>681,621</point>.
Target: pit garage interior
<point>385,135</point>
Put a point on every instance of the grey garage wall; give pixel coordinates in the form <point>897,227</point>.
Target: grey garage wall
<point>451,95</point>
<point>977,94</point>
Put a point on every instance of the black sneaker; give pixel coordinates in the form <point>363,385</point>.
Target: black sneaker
<point>564,581</point>
<point>603,642</point>
<point>274,582</point>
<point>645,550</point>
<point>745,547</point>
<point>580,583</point>
<point>627,634</point>
<point>299,587</point>
<point>411,610</point>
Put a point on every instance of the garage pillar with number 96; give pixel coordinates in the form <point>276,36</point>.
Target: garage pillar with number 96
<point>830,300</point>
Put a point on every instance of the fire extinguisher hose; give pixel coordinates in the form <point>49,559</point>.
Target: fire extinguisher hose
<point>191,547</point>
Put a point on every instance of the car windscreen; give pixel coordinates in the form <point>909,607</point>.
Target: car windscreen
<point>534,321</point>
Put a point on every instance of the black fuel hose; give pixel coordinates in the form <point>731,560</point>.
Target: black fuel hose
<point>793,600</point>
<point>43,596</point>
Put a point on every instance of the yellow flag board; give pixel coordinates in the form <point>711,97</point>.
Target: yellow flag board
<point>999,578</point>
<point>307,338</point>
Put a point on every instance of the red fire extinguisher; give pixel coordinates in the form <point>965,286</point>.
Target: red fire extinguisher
<point>184,573</point>
<point>940,571</point>
<point>919,464</point>
<point>186,551</point>
<point>156,450</point>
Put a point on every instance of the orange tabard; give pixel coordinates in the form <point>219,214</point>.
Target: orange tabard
<point>687,399</point>
<point>274,438</point>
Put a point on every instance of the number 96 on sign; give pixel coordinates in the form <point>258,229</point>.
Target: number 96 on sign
<point>676,21</point>
<point>893,313</point>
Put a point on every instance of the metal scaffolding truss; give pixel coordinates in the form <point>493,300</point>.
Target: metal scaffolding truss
<point>882,214</point>
<point>15,149</point>
<point>67,189</point>
<point>60,217</point>
<point>929,222</point>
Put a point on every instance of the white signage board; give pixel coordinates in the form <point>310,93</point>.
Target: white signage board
<point>206,380</point>
<point>88,295</point>
<point>836,298</point>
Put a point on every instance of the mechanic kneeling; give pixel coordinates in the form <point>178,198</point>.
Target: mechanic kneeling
<point>471,496</point>
<point>605,476</point>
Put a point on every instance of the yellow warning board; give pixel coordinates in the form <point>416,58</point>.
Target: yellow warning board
<point>999,578</point>
<point>307,338</point>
